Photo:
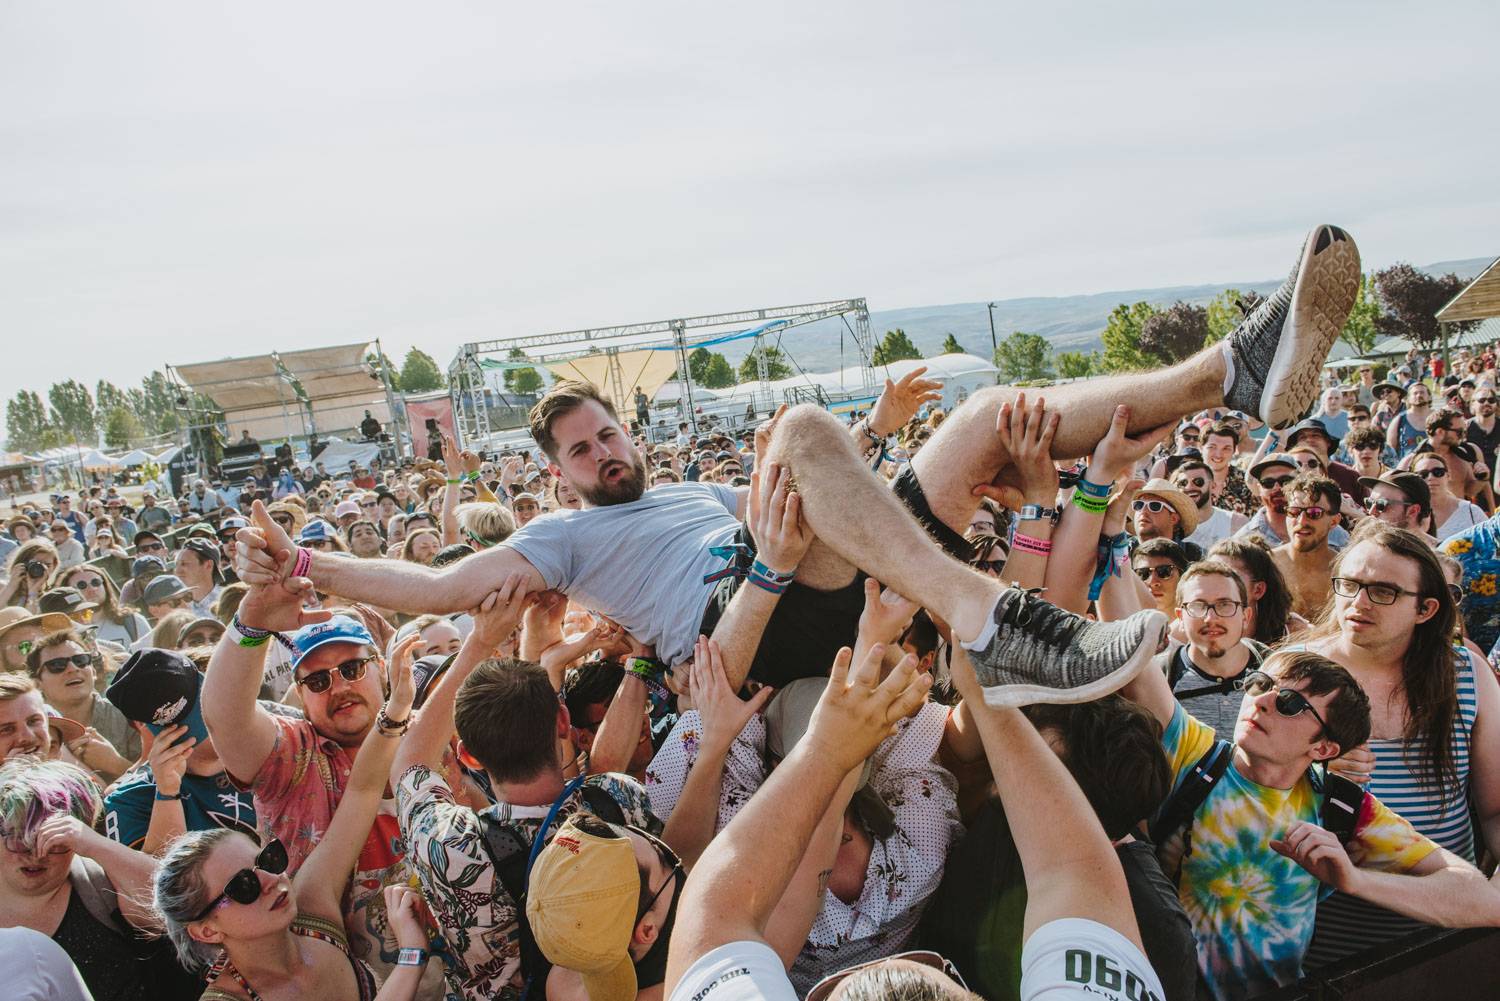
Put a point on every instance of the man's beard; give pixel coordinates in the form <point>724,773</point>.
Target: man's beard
<point>629,488</point>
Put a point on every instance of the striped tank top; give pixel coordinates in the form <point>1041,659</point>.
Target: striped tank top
<point>1346,924</point>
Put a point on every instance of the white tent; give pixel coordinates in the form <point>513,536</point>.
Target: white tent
<point>135,457</point>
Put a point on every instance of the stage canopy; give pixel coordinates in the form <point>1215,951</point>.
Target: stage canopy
<point>647,369</point>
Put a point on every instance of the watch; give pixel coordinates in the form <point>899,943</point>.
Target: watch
<point>1035,512</point>
<point>411,957</point>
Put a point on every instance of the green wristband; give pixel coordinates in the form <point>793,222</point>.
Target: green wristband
<point>1092,505</point>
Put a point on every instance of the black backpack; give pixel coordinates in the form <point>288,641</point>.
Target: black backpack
<point>509,850</point>
<point>1338,814</point>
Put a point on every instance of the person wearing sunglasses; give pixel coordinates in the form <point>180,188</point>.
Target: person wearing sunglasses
<point>1195,479</point>
<point>1400,499</point>
<point>1450,513</point>
<point>112,622</point>
<point>1256,826</point>
<point>1467,473</point>
<point>1324,441</point>
<point>1271,476</point>
<point>62,878</point>
<point>1435,745</point>
<point>1409,427</point>
<point>231,910</point>
<point>64,670</point>
<point>1304,560</point>
<point>1483,430</point>
<point>1159,564</point>
<point>1161,511</point>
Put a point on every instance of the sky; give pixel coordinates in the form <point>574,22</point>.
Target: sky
<point>182,181</point>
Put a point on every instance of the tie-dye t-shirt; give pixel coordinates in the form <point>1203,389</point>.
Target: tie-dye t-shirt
<point>1252,910</point>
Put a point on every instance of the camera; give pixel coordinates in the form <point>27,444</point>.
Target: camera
<point>36,569</point>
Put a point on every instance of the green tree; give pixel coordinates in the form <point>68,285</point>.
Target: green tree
<point>895,346</point>
<point>521,380</point>
<point>1226,311</point>
<point>107,397</point>
<point>121,427</point>
<point>1362,328</point>
<point>420,374</point>
<point>382,363</point>
<point>719,374</point>
<point>1175,333</point>
<point>157,407</point>
<point>1075,364</point>
<point>1122,338</point>
<point>1412,299</point>
<point>1023,356</point>
<point>951,346</point>
<point>27,425</point>
<point>73,410</point>
<point>776,366</point>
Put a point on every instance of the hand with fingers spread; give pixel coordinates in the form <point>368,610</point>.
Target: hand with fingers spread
<point>451,459</point>
<point>723,712</point>
<point>403,685</point>
<point>901,400</point>
<point>168,758</point>
<point>858,710</point>
<point>1026,434</point>
<point>501,611</point>
<point>782,538</point>
<point>1318,851</point>
<point>1117,451</point>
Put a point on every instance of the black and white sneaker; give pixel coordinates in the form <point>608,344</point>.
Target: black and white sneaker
<point>1041,653</point>
<point>1279,349</point>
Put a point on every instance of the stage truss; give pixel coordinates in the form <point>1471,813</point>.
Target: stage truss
<point>466,374</point>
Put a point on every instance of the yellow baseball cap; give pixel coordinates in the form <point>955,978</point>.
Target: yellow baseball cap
<point>581,901</point>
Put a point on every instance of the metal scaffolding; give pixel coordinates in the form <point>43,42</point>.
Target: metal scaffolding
<point>466,376</point>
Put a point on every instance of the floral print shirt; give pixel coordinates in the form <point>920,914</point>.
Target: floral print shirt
<point>1477,550</point>
<point>476,917</point>
<point>1236,495</point>
<point>1252,909</point>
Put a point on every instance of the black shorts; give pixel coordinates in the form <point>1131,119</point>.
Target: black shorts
<point>809,626</point>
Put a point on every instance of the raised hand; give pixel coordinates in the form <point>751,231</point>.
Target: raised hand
<point>168,758</point>
<point>403,686</point>
<point>886,614</point>
<point>65,831</point>
<point>901,400</point>
<point>1117,451</point>
<point>723,712</point>
<point>858,710</point>
<point>451,458</point>
<point>1026,435</point>
<point>260,551</point>
<point>763,438</point>
<point>782,538</point>
<point>498,615</point>
<point>403,909</point>
<point>277,604</point>
<point>1318,851</point>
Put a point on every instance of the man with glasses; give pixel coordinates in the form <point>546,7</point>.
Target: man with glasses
<point>1161,511</point>
<point>1401,499</point>
<point>1194,478</point>
<point>1366,387</point>
<point>1271,476</point>
<point>69,549</point>
<point>1306,558</point>
<point>1255,832</point>
<point>1207,672</point>
<point>1446,429</point>
<point>1483,430</point>
<point>1366,450</point>
<point>1316,435</point>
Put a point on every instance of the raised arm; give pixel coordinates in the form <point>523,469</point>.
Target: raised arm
<point>265,555</point>
<point>129,871</point>
<point>743,875</point>
<point>244,732</point>
<point>324,876</point>
<point>1026,434</point>
<point>451,492</point>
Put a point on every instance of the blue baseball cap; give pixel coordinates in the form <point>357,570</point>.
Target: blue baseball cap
<point>339,629</point>
<point>316,530</point>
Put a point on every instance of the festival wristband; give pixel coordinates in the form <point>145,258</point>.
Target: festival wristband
<point>1092,505</point>
<point>1027,544</point>
<point>645,668</point>
<point>162,797</point>
<point>242,635</point>
<point>304,561</point>
<point>1091,489</point>
<point>765,584</point>
<point>452,482</point>
<point>771,575</point>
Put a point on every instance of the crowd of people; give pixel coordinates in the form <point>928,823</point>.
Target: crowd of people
<point>1187,696</point>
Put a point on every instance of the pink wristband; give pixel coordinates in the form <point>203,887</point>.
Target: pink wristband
<point>1027,544</point>
<point>304,560</point>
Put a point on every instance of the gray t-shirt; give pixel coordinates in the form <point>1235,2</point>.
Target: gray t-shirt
<point>1209,700</point>
<point>643,563</point>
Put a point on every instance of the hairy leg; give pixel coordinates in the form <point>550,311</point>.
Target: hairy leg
<point>965,452</point>
<point>860,523</point>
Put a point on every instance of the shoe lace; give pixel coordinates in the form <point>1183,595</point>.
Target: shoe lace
<point>1041,619</point>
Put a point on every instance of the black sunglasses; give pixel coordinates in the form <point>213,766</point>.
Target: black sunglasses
<point>244,886</point>
<point>57,665</point>
<point>1163,572</point>
<point>1289,701</point>
<point>1272,482</point>
<point>319,682</point>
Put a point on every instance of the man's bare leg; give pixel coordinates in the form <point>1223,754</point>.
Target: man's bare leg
<point>965,451</point>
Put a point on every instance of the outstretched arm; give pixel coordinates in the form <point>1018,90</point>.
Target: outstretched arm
<point>743,875</point>
<point>324,876</point>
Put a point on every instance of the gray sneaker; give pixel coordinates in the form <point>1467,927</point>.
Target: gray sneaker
<point>1041,653</point>
<point>1279,349</point>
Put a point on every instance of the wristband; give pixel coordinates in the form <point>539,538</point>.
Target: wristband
<point>1091,489</point>
<point>762,570</point>
<point>645,668</point>
<point>1089,504</point>
<point>1027,544</point>
<point>304,560</point>
<point>765,584</point>
<point>388,727</point>
<point>242,635</point>
<point>411,957</point>
<point>162,797</point>
<point>452,482</point>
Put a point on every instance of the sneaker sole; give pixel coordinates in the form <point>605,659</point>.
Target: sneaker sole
<point>1015,696</point>
<point>1327,283</point>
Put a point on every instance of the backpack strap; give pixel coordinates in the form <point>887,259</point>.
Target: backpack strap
<point>1342,799</point>
<point>1179,807</point>
<point>604,806</point>
<point>509,852</point>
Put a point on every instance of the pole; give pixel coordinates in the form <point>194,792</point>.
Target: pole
<point>390,402</point>
<point>994,344</point>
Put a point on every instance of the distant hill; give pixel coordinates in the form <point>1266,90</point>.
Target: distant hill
<point>1070,323</point>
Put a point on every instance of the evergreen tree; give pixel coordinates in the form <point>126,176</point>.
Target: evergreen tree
<point>1361,329</point>
<point>719,374</point>
<point>776,367</point>
<point>894,346</point>
<point>1022,356</point>
<point>951,346</point>
<point>1122,338</point>
<point>1076,364</point>
<point>521,380</point>
<point>27,427</point>
<point>420,374</point>
<point>73,411</point>
<point>121,427</point>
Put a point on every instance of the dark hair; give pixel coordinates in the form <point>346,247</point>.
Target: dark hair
<point>1273,610</point>
<point>1215,568</point>
<point>1193,464</point>
<point>922,634</point>
<point>1440,417</point>
<point>1360,408</point>
<point>1113,749</point>
<point>1364,438</point>
<point>1429,677</point>
<point>55,638</point>
<point>506,715</point>
<point>1348,712</point>
<point>1165,548</point>
<point>562,399</point>
<point>592,684</point>
<point>1315,486</point>
<point>1223,429</point>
